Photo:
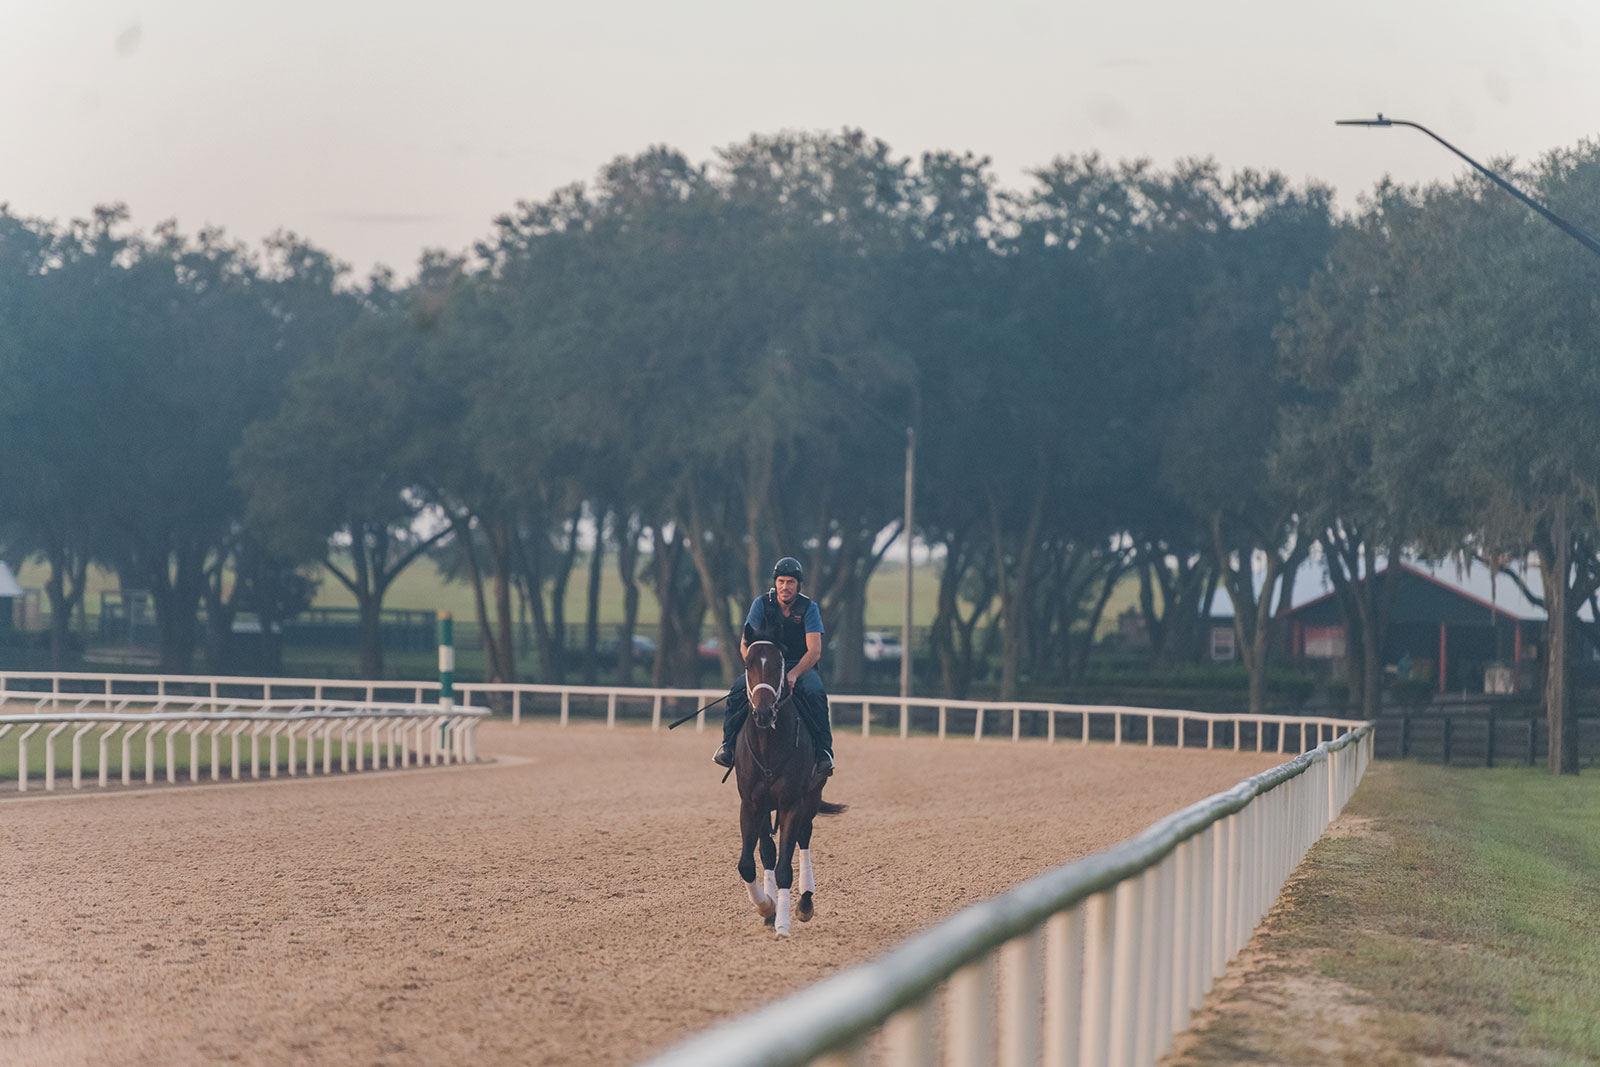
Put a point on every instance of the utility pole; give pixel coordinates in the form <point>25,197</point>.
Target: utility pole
<point>905,623</point>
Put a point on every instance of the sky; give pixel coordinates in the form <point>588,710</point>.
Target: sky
<point>377,130</point>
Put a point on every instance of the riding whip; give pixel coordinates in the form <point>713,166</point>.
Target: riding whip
<point>697,711</point>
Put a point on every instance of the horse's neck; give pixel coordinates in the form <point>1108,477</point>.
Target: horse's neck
<point>784,737</point>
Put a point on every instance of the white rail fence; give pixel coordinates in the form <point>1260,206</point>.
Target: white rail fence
<point>1098,962</point>
<point>923,715</point>
<point>391,734</point>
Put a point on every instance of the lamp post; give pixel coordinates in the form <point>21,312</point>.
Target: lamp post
<point>1566,227</point>
<point>905,623</point>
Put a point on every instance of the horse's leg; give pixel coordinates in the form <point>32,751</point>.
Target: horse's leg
<point>785,872</point>
<point>751,826</point>
<point>769,861</point>
<point>808,884</point>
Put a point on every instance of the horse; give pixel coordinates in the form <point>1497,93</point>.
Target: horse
<point>775,760</point>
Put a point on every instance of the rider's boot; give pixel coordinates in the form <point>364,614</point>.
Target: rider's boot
<point>824,764</point>
<point>732,720</point>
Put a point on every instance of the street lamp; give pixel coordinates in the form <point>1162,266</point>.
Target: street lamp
<point>1566,227</point>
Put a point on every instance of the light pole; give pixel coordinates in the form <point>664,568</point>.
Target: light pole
<point>1566,227</point>
<point>905,623</point>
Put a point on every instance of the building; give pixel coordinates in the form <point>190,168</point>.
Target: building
<point>10,597</point>
<point>1465,630</point>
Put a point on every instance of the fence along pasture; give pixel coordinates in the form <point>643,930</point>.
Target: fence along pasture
<point>1098,962</point>
<point>400,735</point>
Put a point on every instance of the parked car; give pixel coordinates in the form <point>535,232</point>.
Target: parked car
<point>710,650</point>
<point>644,649</point>
<point>879,645</point>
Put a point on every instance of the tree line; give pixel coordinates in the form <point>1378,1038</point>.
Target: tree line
<point>1181,375</point>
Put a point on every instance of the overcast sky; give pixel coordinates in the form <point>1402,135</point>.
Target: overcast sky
<point>377,129</point>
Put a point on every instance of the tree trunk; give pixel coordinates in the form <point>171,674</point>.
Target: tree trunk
<point>64,588</point>
<point>1555,564</point>
<point>626,533</point>
<point>591,621</point>
<point>369,609</point>
<point>712,589</point>
<point>1013,585</point>
<point>505,660</point>
<point>177,603</point>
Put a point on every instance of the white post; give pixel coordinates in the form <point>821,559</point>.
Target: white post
<point>1099,954</point>
<point>50,757</point>
<point>1022,960</point>
<point>22,758</point>
<point>105,739</point>
<point>1063,987</point>
<point>611,711</point>
<point>911,1036</point>
<point>655,713</point>
<point>866,718</point>
<point>969,1023</point>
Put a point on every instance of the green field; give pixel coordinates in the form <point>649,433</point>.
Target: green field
<point>1454,923</point>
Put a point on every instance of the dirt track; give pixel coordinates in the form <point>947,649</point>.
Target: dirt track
<point>575,903</point>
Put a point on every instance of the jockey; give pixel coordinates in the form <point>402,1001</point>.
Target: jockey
<point>795,624</point>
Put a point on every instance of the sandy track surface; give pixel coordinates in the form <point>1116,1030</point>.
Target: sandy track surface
<point>574,903</point>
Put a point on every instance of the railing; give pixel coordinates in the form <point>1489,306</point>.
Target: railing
<point>932,715</point>
<point>1099,962</point>
<point>395,734</point>
<point>218,688</point>
<point>1092,721</point>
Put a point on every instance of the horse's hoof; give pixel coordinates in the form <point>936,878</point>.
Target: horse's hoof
<point>806,909</point>
<point>783,933</point>
<point>770,920</point>
<point>767,909</point>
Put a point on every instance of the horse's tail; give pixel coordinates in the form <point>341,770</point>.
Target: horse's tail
<point>828,807</point>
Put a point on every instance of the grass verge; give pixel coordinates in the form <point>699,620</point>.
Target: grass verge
<point>1450,918</point>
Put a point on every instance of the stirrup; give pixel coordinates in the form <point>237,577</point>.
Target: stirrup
<point>723,756</point>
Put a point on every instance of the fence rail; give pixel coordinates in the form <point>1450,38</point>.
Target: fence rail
<point>395,734</point>
<point>1098,962</point>
<point>978,719</point>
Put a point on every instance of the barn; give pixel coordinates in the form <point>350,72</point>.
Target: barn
<point>1462,629</point>
<point>10,597</point>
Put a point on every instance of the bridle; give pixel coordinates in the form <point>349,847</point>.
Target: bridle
<point>775,690</point>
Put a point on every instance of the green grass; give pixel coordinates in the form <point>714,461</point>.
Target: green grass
<point>1462,923</point>
<point>136,756</point>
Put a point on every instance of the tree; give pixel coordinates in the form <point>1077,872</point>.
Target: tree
<point>334,476</point>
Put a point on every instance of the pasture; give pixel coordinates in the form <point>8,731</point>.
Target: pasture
<point>574,901</point>
<point>1447,918</point>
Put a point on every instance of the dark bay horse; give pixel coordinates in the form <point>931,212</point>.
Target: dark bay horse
<point>775,761</point>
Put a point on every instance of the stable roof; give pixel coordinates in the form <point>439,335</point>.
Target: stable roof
<point>1471,592</point>
<point>8,582</point>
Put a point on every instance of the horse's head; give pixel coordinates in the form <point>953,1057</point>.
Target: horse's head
<point>764,680</point>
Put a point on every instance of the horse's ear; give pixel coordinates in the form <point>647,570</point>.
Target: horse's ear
<point>749,633</point>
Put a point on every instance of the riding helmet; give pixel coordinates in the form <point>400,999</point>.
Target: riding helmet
<point>788,567</point>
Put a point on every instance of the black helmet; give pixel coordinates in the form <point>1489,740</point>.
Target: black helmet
<point>788,567</point>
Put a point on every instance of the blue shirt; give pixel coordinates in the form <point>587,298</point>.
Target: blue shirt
<point>757,616</point>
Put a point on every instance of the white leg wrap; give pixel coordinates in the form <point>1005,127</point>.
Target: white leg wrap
<point>757,897</point>
<point>807,883</point>
<point>782,925</point>
<point>771,884</point>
